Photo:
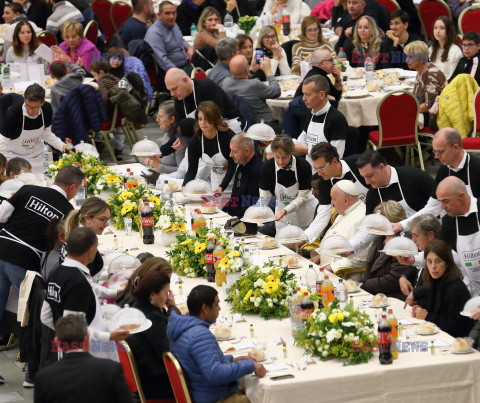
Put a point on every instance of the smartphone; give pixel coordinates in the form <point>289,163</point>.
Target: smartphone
<point>280,377</point>
<point>259,53</point>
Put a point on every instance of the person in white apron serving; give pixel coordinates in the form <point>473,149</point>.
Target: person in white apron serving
<point>27,126</point>
<point>288,178</point>
<point>211,145</point>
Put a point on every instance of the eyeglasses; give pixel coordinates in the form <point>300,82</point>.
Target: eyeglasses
<point>322,169</point>
<point>312,30</point>
<point>328,60</point>
<point>32,108</point>
<point>103,220</point>
<point>439,152</point>
<point>468,45</point>
<point>270,37</point>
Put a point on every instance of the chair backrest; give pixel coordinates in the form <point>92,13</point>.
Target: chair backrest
<point>119,13</point>
<point>287,47</point>
<point>476,113</point>
<point>47,38</point>
<point>391,5</point>
<point>177,378</point>
<point>130,369</point>
<point>101,8</point>
<point>91,31</point>
<point>397,115</point>
<point>469,20</point>
<point>428,11</point>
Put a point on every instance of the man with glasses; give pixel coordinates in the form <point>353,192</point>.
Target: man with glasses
<point>331,169</point>
<point>468,64</point>
<point>447,145</point>
<point>25,128</point>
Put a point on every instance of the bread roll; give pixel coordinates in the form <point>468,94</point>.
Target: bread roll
<point>427,327</point>
<point>256,354</point>
<point>461,345</point>
<point>183,308</point>
<point>379,300</point>
<point>209,207</point>
<point>290,260</point>
<point>268,242</point>
<point>223,332</point>
<point>174,186</point>
<point>351,285</point>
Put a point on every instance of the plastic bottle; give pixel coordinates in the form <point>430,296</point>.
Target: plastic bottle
<point>341,293</point>
<point>81,195</point>
<point>140,208</point>
<point>131,181</point>
<point>147,224</point>
<point>327,291</point>
<point>127,174</point>
<point>47,157</point>
<point>228,21</point>
<point>307,307</point>
<point>6,80</point>
<point>369,69</point>
<point>320,278</point>
<point>252,331</point>
<point>384,341</point>
<point>247,257</point>
<point>167,194</point>
<point>342,56</point>
<point>311,278</point>
<point>277,21</point>
<point>115,242</point>
<point>295,313</point>
<point>209,260</point>
<point>285,20</point>
<point>393,322</point>
<point>198,220</point>
<point>218,254</point>
<point>193,31</point>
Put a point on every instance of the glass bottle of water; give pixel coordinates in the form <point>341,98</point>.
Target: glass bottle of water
<point>311,278</point>
<point>228,21</point>
<point>167,194</point>
<point>47,157</point>
<point>341,293</point>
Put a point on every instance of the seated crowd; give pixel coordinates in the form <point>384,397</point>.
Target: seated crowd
<point>314,174</point>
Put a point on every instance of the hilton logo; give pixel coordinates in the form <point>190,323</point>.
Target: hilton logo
<point>43,209</point>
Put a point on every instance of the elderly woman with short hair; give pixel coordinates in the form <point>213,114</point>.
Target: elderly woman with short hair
<point>75,48</point>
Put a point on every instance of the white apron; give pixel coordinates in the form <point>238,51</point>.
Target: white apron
<point>304,214</point>
<point>218,165</point>
<point>315,135</point>
<point>191,114</point>
<point>408,210</point>
<point>28,145</point>
<point>468,250</point>
<point>467,165</point>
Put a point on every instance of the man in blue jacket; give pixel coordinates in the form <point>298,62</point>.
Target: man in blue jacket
<point>211,375</point>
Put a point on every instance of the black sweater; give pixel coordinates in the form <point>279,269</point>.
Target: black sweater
<point>464,66</point>
<point>420,290</point>
<point>445,303</point>
<point>286,177</point>
<point>210,148</point>
<point>337,94</point>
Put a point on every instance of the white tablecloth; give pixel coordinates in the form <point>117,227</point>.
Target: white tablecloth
<point>415,376</point>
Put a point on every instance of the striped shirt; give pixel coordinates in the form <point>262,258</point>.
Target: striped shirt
<point>302,49</point>
<point>63,11</point>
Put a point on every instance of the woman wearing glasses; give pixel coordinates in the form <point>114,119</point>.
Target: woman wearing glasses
<point>288,178</point>
<point>311,39</point>
<point>268,43</point>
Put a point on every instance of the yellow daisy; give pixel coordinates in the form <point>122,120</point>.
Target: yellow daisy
<point>200,248</point>
<point>186,242</point>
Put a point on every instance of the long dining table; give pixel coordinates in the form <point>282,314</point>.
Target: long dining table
<point>417,374</point>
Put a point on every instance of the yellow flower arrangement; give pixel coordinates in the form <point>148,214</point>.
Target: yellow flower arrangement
<point>236,254</point>
<point>181,226</point>
<point>200,248</point>
<point>155,200</point>
<point>111,178</point>
<point>336,317</point>
<point>247,296</point>
<point>186,242</point>
<point>271,277</point>
<point>270,287</point>
<point>125,195</point>
<point>127,208</point>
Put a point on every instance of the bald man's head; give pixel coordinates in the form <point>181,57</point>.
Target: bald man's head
<point>320,55</point>
<point>178,83</point>
<point>239,66</point>
<point>453,195</point>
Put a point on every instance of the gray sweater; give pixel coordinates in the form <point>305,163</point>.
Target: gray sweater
<point>255,93</point>
<point>67,83</point>
<point>170,162</point>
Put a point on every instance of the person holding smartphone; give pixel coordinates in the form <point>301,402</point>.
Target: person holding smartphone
<point>268,43</point>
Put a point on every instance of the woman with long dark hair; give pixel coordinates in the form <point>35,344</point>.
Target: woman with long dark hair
<point>25,43</point>
<point>444,51</point>
<point>448,292</point>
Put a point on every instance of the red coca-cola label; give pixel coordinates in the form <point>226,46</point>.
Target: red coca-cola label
<point>147,221</point>
<point>285,19</point>
<point>306,313</point>
<point>208,258</point>
<point>384,337</point>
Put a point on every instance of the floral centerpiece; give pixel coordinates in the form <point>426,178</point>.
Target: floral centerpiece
<point>171,220</point>
<point>247,23</point>
<point>187,254</point>
<point>342,332</point>
<point>124,203</point>
<point>262,292</point>
<point>99,177</point>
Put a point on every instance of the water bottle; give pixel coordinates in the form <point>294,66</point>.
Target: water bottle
<point>311,278</point>
<point>193,31</point>
<point>296,313</point>
<point>369,72</point>
<point>47,157</point>
<point>167,194</point>
<point>341,293</point>
<point>342,55</point>
<point>228,21</point>
<point>6,80</point>
<point>81,195</point>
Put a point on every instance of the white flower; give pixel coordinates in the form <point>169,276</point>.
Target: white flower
<point>270,305</point>
<point>269,300</point>
<point>252,299</point>
<point>347,324</point>
<point>275,300</point>
<point>320,333</point>
<point>322,317</point>
<point>318,344</point>
<point>163,222</point>
<point>325,353</point>
<point>257,304</point>
<point>331,335</point>
<point>346,314</point>
<point>259,299</point>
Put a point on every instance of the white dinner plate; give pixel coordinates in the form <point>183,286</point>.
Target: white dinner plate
<point>209,212</point>
<point>428,334</point>
<point>147,325</point>
<point>397,87</point>
<point>232,337</point>
<point>269,247</point>
<point>452,350</point>
<point>379,306</point>
<point>255,221</point>
<point>296,266</point>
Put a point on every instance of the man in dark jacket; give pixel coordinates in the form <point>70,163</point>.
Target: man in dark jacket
<point>79,377</point>
<point>468,64</point>
<point>212,375</point>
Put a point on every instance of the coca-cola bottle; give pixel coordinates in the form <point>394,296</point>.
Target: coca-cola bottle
<point>307,307</point>
<point>384,341</point>
<point>209,260</point>
<point>146,217</point>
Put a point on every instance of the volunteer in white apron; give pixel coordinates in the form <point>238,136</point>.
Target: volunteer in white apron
<point>402,201</point>
<point>26,127</point>
<point>295,202</point>
<point>212,128</point>
<point>468,250</point>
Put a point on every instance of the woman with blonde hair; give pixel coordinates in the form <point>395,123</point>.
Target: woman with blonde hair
<point>311,39</point>
<point>366,42</point>
<point>210,29</point>
<point>75,48</point>
<point>268,42</point>
<point>383,272</point>
<point>211,144</point>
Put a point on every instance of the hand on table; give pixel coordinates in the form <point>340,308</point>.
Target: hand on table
<point>418,312</point>
<point>119,335</point>
<point>405,286</point>
<point>315,259</point>
<point>153,161</point>
<point>218,192</point>
<point>260,370</point>
<point>280,214</point>
<point>409,301</point>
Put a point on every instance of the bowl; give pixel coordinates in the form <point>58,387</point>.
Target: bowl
<point>258,215</point>
<point>145,148</point>
<point>376,224</point>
